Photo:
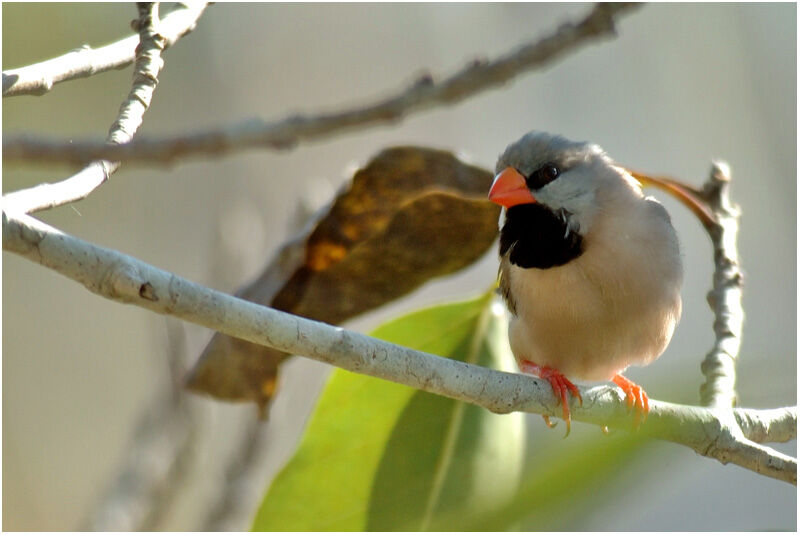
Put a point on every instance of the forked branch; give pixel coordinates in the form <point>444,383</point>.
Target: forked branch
<point>39,78</point>
<point>149,63</point>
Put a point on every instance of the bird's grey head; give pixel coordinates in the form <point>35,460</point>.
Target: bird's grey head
<point>562,175</point>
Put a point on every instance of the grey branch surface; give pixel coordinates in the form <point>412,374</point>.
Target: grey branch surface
<point>145,78</point>
<point>425,93</point>
<point>713,432</point>
<point>725,297</point>
<point>39,78</point>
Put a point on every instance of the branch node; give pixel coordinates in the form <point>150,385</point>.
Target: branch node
<point>423,80</point>
<point>146,291</point>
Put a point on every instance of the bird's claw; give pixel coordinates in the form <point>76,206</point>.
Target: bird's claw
<point>635,397</point>
<point>560,385</point>
<point>547,421</point>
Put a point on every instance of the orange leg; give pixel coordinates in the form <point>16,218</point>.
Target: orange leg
<point>634,395</point>
<point>558,383</point>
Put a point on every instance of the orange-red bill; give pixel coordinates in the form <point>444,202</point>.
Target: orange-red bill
<point>509,189</point>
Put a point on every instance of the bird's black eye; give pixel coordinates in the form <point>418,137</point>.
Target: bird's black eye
<point>549,172</point>
<point>542,176</point>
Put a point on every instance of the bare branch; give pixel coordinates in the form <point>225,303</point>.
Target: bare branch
<point>725,298</point>
<point>775,425</point>
<point>760,459</point>
<point>44,196</point>
<point>145,75</point>
<point>244,480</point>
<point>122,278</point>
<point>713,208</point>
<point>39,78</point>
<point>131,113</point>
<point>158,455</point>
<point>424,94</point>
<point>730,445</point>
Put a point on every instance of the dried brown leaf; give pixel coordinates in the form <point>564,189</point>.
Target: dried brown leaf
<point>410,215</point>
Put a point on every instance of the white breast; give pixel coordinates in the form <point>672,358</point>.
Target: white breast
<point>615,305</point>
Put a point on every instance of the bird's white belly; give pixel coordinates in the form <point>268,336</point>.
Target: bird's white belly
<point>586,326</point>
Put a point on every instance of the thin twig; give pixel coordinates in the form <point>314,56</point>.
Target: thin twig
<point>244,480</point>
<point>423,94</point>
<point>713,208</point>
<point>158,456</point>
<point>775,425</point>
<point>131,113</point>
<point>232,505</point>
<point>709,431</point>
<point>39,78</point>
<point>145,75</point>
<point>725,298</point>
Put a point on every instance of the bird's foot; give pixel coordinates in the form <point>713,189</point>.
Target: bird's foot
<point>636,397</point>
<point>558,383</point>
<point>547,421</point>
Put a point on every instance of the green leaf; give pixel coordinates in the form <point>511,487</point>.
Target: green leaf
<point>565,481</point>
<point>382,456</point>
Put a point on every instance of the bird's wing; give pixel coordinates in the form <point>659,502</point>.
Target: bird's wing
<point>505,286</point>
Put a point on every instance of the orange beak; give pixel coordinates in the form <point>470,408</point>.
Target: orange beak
<point>509,189</point>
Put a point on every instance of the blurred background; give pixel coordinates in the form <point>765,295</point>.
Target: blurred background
<point>680,85</point>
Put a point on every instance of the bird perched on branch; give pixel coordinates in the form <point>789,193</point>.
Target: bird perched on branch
<point>590,268</point>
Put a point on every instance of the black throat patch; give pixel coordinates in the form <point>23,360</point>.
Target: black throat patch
<point>537,237</point>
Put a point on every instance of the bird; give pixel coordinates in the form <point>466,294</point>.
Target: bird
<point>590,267</point>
